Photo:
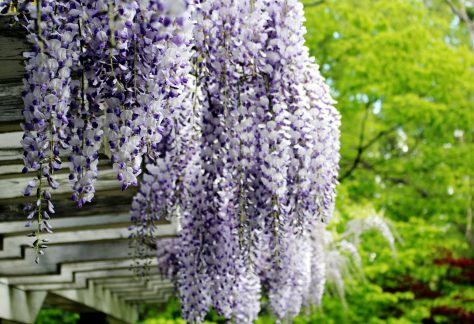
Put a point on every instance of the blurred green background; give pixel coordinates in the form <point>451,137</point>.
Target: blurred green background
<point>402,72</point>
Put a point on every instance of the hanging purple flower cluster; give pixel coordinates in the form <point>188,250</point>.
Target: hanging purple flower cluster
<point>112,69</point>
<point>46,96</point>
<point>217,110</point>
<point>264,173</point>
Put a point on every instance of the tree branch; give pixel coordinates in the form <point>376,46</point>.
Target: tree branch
<point>315,3</point>
<point>360,148</point>
<point>412,150</point>
<point>363,147</point>
<point>396,180</point>
<point>462,14</point>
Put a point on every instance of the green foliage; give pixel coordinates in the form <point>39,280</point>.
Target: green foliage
<point>403,74</point>
<point>56,316</point>
<point>171,314</point>
<point>394,73</point>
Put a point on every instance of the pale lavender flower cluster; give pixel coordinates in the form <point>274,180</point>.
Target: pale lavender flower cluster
<point>150,65</point>
<point>217,110</point>
<point>85,128</point>
<point>265,172</point>
<point>113,69</point>
<point>46,96</point>
<point>159,196</point>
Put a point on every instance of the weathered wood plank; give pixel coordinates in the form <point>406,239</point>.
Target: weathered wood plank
<point>11,58</point>
<point>160,299</point>
<point>79,279</point>
<point>119,280</point>
<point>66,275</point>
<point>105,202</point>
<point>11,149</point>
<point>115,283</point>
<point>11,103</point>
<point>132,290</point>
<point>108,193</point>
<point>62,224</point>
<point>66,253</point>
<point>13,245</point>
<point>13,187</point>
<point>11,140</point>
<point>12,45</point>
<point>151,301</point>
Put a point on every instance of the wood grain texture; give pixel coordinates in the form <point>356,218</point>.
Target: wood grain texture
<point>105,202</point>
<point>12,45</point>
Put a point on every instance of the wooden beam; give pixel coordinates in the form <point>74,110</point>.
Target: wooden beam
<point>105,202</point>
<point>62,224</point>
<point>18,305</point>
<point>67,253</point>
<point>12,44</point>
<point>94,270</point>
<point>102,300</point>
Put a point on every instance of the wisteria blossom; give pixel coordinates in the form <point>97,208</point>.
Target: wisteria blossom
<point>161,189</point>
<point>85,127</point>
<point>216,110</point>
<point>102,73</point>
<point>46,96</point>
<point>268,163</point>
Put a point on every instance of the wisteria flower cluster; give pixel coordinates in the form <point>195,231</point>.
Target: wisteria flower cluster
<point>107,73</point>
<point>261,178</point>
<point>217,111</point>
<point>326,262</point>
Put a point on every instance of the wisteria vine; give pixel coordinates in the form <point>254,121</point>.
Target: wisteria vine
<point>217,111</point>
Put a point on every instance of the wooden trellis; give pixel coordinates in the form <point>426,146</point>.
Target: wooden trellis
<point>86,267</point>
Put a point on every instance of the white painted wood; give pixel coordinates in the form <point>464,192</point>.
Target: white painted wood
<point>12,245</point>
<point>117,281</point>
<point>10,155</point>
<point>10,140</point>
<point>149,301</point>
<point>138,290</point>
<point>156,299</point>
<point>18,305</point>
<point>113,283</point>
<point>10,169</point>
<point>150,293</point>
<point>60,254</point>
<point>13,187</point>
<point>59,224</point>
<point>68,271</point>
<point>82,279</point>
<point>103,301</point>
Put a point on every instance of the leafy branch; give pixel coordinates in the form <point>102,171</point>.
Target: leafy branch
<point>314,4</point>
<point>364,147</point>
<point>462,13</point>
<point>396,180</point>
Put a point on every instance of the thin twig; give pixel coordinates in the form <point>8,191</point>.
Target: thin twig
<point>314,4</point>
<point>396,180</point>
<point>360,148</point>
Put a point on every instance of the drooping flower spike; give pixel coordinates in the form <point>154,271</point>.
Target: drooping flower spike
<point>108,73</point>
<point>46,96</point>
<point>217,110</point>
<point>267,167</point>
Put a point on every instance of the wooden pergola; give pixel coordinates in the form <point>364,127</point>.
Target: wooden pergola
<point>87,266</point>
